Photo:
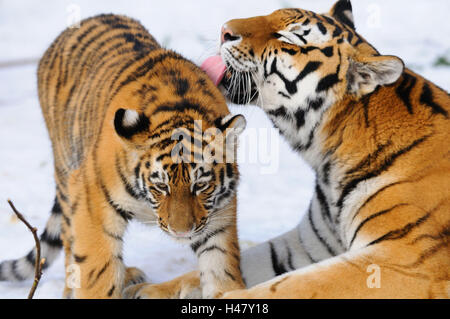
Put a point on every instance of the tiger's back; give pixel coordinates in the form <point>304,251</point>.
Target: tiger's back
<point>77,76</point>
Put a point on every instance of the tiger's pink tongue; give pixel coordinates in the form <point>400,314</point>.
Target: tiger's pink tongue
<point>215,68</point>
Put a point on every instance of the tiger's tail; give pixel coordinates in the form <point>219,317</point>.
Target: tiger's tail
<point>51,244</point>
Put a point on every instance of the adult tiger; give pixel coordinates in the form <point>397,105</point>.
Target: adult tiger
<point>376,135</point>
<point>112,98</point>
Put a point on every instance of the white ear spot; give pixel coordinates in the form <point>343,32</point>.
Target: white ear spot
<point>130,118</point>
<point>349,15</point>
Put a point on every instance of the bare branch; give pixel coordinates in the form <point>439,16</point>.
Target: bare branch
<point>39,263</point>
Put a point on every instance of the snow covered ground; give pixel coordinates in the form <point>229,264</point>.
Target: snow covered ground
<point>269,203</point>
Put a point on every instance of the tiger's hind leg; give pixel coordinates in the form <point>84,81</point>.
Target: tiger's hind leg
<point>412,261</point>
<point>23,268</point>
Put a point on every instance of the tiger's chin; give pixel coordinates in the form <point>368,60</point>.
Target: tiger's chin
<point>239,87</point>
<point>186,238</point>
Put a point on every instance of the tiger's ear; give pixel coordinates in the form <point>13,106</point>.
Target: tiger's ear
<point>232,125</point>
<point>366,74</point>
<point>129,123</point>
<point>342,11</point>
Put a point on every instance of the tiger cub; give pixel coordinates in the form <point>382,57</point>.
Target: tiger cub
<point>377,136</point>
<point>126,120</point>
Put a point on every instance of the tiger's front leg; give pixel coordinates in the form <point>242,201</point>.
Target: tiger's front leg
<point>219,261</point>
<point>97,230</point>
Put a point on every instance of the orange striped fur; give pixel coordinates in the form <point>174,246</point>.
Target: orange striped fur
<point>377,135</point>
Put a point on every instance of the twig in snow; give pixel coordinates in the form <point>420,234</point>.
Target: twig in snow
<point>39,263</point>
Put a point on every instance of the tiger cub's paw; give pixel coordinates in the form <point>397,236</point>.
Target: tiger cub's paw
<point>134,276</point>
<point>161,291</point>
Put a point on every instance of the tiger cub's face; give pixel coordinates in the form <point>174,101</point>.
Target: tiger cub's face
<point>186,171</point>
<point>297,63</point>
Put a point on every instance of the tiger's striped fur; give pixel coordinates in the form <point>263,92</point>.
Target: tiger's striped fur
<point>377,136</point>
<point>111,98</point>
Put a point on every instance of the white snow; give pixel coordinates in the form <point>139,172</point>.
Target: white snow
<point>269,204</point>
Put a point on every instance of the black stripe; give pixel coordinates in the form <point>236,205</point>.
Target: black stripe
<point>128,188</point>
<point>229,275</point>
<point>337,31</point>
<point>100,273</point>
<point>183,106</point>
<point>301,38</point>
<point>54,242</point>
<point>79,259</point>
<point>2,276</point>
<point>30,258</point>
<point>316,232</point>
<point>111,291</point>
<point>299,118</point>
<point>143,69</point>
<point>328,51</point>
<point>327,82</point>
<point>311,259</point>
<point>15,271</point>
<point>404,90</point>
<point>369,159</point>
<point>289,256</point>
<point>366,220</point>
<point>230,170</point>
<point>279,112</point>
<point>56,209</point>
<point>316,104</point>
<point>210,248</point>
<point>387,163</point>
<point>326,173</point>
<point>401,232</point>
<point>322,28</point>
<point>289,51</point>
<point>196,245</point>
<point>427,99</point>
<point>277,266</point>
<point>325,209</point>
<point>126,215</point>
<point>373,196</point>
<point>113,236</point>
<point>365,100</point>
<point>222,176</point>
<point>291,86</point>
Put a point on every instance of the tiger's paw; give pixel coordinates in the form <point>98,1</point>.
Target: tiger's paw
<point>134,276</point>
<point>161,291</point>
